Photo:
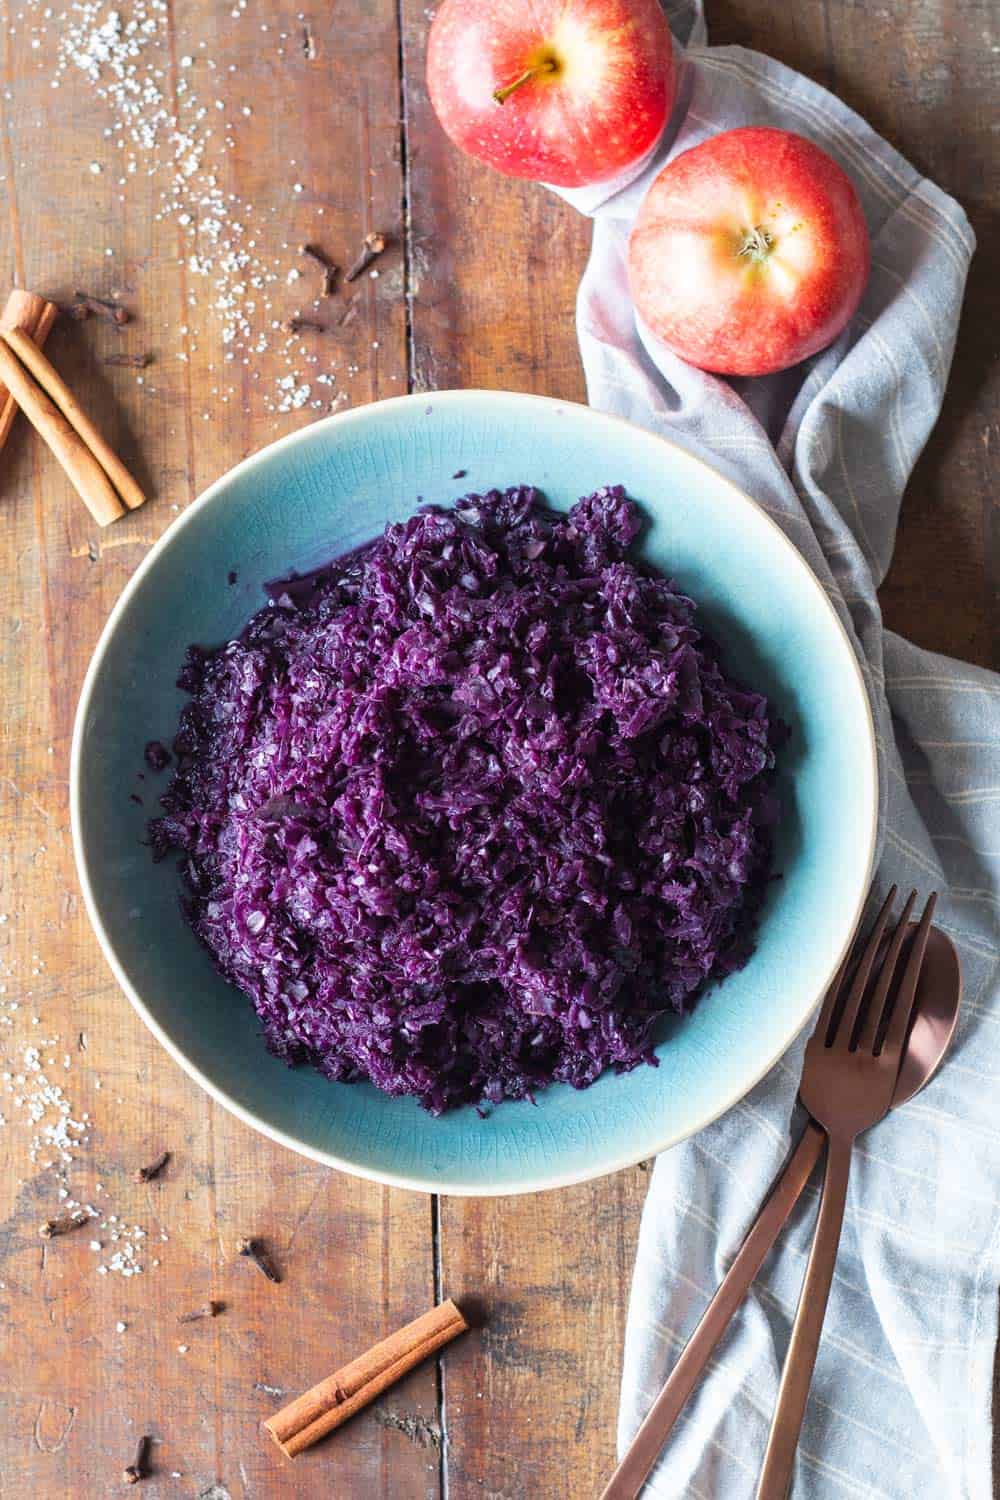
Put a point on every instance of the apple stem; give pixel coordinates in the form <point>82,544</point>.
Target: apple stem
<point>503,94</point>
<point>756,243</point>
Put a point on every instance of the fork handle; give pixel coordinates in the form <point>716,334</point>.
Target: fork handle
<point>630,1475</point>
<point>796,1377</point>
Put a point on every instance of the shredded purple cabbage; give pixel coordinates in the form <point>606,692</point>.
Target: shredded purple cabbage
<point>156,756</point>
<point>471,809</point>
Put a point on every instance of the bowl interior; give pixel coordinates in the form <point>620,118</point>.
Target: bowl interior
<point>326,490</point>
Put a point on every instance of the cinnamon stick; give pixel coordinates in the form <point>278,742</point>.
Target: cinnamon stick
<point>81,467</point>
<point>52,383</point>
<point>35,316</point>
<point>311,1416</point>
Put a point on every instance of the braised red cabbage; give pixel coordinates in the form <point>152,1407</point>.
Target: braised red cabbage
<point>471,809</point>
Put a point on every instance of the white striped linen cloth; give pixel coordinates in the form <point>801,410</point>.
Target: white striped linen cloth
<point>901,1400</point>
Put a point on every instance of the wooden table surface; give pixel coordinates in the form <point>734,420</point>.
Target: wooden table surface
<point>291,126</point>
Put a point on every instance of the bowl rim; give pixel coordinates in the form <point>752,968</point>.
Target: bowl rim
<point>457,1188</point>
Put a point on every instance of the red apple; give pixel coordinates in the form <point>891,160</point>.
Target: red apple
<point>750,252</point>
<point>563,91</point>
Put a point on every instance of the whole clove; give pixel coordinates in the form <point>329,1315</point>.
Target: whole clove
<point>138,1468</point>
<point>131,361</point>
<point>53,1227</point>
<point>330,268</point>
<point>373,247</point>
<point>209,1310</point>
<point>147,1174</point>
<point>112,312</point>
<point>305,325</point>
<point>253,1250</point>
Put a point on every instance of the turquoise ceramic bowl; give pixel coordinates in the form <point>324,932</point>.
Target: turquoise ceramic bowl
<point>325,490</point>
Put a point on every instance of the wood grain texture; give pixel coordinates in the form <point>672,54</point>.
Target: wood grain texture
<point>478,288</point>
<point>356,1259</point>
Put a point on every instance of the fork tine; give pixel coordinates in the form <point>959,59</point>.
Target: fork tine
<point>892,1047</point>
<point>848,967</point>
<point>831,997</point>
<point>877,1005</point>
<point>844,1027</point>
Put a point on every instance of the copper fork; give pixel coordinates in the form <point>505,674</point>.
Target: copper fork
<point>851,1063</point>
<point>922,1055</point>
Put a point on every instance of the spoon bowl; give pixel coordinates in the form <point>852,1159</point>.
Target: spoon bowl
<point>935,1016</point>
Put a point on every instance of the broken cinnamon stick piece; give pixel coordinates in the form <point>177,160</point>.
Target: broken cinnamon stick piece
<point>82,469</point>
<point>55,387</point>
<point>35,316</point>
<point>331,1402</point>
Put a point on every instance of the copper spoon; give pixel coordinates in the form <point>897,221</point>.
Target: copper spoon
<point>939,994</point>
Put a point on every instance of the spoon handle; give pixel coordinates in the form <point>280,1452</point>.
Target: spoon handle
<point>796,1377</point>
<point>630,1475</point>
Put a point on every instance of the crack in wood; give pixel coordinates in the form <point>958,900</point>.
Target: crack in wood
<point>303,1216</point>
<point>94,549</point>
<point>276,1391</point>
<point>50,1406</point>
<point>419,1430</point>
